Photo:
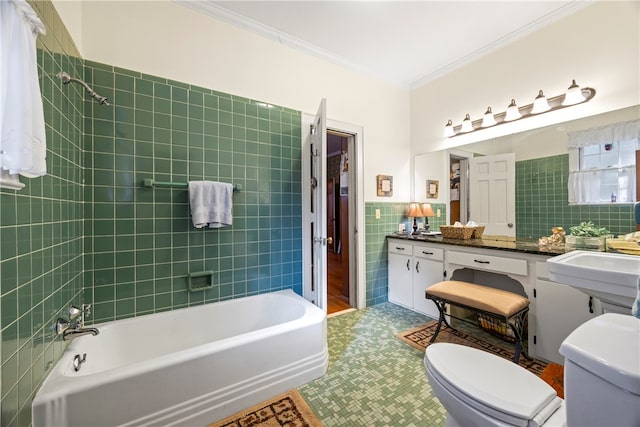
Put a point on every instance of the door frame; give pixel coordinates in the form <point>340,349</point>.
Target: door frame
<point>356,210</point>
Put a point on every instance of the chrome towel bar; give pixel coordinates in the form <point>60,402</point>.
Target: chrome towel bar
<point>151,183</point>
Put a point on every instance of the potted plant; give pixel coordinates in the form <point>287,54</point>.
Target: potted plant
<point>587,235</point>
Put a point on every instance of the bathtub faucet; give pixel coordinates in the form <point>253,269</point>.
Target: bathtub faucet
<point>75,328</point>
<point>78,331</point>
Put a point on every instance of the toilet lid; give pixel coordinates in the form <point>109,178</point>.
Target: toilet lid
<point>492,381</point>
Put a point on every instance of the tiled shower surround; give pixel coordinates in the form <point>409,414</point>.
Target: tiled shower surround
<point>140,244</point>
<point>41,233</point>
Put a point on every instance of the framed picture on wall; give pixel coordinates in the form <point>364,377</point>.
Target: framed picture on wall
<point>384,185</point>
<point>432,188</point>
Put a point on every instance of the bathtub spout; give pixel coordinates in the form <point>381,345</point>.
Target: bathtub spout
<point>70,334</point>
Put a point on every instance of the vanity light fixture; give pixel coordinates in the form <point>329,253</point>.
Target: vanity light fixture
<point>573,96</point>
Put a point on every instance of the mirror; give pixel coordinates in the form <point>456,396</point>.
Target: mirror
<point>533,144</point>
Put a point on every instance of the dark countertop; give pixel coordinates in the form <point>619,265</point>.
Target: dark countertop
<point>526,246</point>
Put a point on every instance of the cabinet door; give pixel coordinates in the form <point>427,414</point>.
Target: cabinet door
<point>559,310</point>
<point>426,272</point>
<point>400,280</point>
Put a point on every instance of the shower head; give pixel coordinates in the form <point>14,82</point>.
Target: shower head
<point>66,79</point>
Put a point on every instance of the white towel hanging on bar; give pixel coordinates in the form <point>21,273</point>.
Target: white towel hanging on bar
<point>22,128</point>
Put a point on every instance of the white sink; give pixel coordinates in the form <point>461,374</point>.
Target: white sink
<point>610,277</point>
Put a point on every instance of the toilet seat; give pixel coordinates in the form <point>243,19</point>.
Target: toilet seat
<point>492,385</point>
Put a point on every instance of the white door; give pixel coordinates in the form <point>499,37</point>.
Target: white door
<point>314,203</point>
<point>492,194</point>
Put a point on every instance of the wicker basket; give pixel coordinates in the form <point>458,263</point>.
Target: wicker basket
<point>499,328</point>
<point>477,232</point>
<point>451,232</point>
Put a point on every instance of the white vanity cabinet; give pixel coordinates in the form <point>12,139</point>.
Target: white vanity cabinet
<point>428,269</point>
<point>559,310</point>
<point>400,265</point>
<point>555,309</point>
<point>413,266</point>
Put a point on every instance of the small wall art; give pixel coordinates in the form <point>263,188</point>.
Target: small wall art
<point>432,188</point>
<point>385,185</point>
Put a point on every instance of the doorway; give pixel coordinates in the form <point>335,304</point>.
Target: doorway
<point>458,189</point>
<point>338,265</point>
<point>314,230</point>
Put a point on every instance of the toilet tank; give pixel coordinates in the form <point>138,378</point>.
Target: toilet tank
<point>602,372</point>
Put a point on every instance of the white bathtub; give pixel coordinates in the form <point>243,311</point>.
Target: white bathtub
<point>190,366</point>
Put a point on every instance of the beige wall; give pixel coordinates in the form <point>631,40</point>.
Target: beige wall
<point>169,40</point>
<point>599,46</point>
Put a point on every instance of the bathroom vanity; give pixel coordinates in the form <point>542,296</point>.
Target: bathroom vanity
<point>415,262</point>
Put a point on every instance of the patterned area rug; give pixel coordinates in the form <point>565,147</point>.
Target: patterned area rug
<point>288,409</point>
<point>419,337</point>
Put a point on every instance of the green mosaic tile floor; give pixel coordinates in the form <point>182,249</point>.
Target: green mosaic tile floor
<point>373,379</point>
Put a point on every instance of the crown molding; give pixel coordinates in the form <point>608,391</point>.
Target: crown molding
<point>211,9</point>
<point>561,12</point>
<point>241,21</point>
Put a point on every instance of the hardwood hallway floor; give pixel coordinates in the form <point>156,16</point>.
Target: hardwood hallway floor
<point>335,300</point>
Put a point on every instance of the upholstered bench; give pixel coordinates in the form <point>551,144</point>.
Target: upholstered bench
<point>504,306</point>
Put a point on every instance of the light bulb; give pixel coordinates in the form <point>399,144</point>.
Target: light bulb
<point>467,126</point>
<point>488,119</point>
<point>448,130</point>
<point>573,95</point>
<point>540,104</point>
<point>513,113</point>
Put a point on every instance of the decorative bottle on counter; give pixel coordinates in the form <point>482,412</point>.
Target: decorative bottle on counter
<point>613,197</point>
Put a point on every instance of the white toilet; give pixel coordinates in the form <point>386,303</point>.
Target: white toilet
<point>602,381</point>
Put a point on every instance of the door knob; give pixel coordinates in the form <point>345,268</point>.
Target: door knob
<point>329,240</point>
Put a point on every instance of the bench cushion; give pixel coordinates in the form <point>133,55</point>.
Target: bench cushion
<point>492,300</point>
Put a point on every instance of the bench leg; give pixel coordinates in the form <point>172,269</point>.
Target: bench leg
<point>442,309</point>
<point>517,326</point>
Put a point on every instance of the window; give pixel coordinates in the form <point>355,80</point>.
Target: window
<point>602,164</point>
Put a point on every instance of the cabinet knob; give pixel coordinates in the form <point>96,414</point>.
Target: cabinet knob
<point>408,268</point>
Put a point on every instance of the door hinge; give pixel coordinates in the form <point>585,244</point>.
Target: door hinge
<point>535,339</point>
<point>444,274</point>
<point>312,129</point>
<point>535,294</point>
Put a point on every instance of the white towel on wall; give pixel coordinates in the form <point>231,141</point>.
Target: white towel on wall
<point>211,203</point>
<point>22,129</point>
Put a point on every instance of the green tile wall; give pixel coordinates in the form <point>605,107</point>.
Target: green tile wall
<point>541,201</point>
<point>140,244</point>
<point>41,229</point>
<point>391,214</point>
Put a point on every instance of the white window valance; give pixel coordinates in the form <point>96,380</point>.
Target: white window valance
<point>616,132</point>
